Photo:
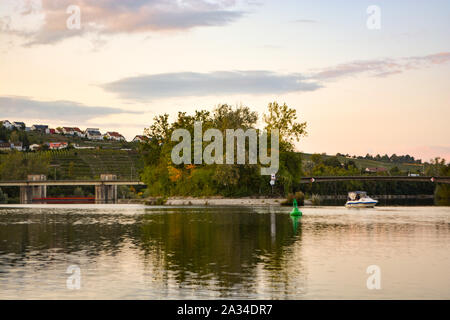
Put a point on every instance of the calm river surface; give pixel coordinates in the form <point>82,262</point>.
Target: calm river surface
<point>134,252</point>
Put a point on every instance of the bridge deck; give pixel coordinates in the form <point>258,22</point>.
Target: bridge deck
<point>375,178</point>
<point>302,180</point>
<point>70,183</point>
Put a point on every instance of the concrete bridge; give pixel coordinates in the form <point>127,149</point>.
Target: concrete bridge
<point>106,188</point>
<point>375,178</point>
<point>36,187</point>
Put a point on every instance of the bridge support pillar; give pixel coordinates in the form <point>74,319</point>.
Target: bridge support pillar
<point>106,193</point>
<point>28,193</point>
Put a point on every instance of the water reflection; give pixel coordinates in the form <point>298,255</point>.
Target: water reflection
<point>231,248</point>
<point>295,222</point>
<point>225,250</point>
<point>251,253</point>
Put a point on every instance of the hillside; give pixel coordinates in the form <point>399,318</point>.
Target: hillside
<point>89,164</point>
<point>364,163</point>
<point>38,138</point>
<point>126,163</point>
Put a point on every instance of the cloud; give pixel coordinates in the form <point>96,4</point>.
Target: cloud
<point>112,17</point>
<point>213,83</point>
<point>305,21</point>
<point>23,107</point>
<point>380,67</point>
<point>147,87</point>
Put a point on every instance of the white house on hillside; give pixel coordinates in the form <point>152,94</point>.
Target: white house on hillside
<point>93,134</point>
<point>78,132</point>
<point>5,146</point>
<point>68,131</point>
<point>7,124</point>
<point>17,146</point>
<point>34,147</point>
<point>57,145</point>
<point>73,131</point>
<point>114,136</point>
<point>140,139</point>
<point>39,127</point>
<point>19,125</point>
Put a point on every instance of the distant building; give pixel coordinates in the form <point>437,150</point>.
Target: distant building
<point>5,146</point>
<point>141,139</point>
<point>17,146</point>
<point>114,136</point>
<point>39,128</point>
<point>78,132</point>
<point>376,169</point>
<point>8,125</point>
<point>57,145</point>
<point>72,131</point>
<point>34,147</point>
<point>19,125</point>
<point>76,146</point>
<point>68,131</point>
<point>93,134</point>
<point>51,131</point>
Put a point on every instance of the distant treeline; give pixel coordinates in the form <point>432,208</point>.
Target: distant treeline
<point>321,165</point>
<point>393,158</point>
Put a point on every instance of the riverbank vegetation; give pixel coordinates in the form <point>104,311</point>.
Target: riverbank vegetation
<point>151,162</point>
<point>439,167</point>
<point>163,178</point>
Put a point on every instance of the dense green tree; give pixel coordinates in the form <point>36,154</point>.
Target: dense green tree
<point>284,119</point>
<point>17,166</point>
<point>165,179</point>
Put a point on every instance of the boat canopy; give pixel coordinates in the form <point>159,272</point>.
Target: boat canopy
<point>356,195</point>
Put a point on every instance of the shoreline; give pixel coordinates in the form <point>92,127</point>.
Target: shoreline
<point>247,201</point>
<point>211,201</point>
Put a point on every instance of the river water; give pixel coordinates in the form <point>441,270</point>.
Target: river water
<point>136,252</point>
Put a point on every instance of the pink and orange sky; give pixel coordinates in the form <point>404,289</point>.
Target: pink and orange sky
<point>361,90</point>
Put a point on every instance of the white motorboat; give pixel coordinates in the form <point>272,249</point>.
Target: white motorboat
<point>360,199</point>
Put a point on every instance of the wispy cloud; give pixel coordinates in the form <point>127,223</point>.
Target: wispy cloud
<point>147,87</point>
<point>23,107</point>
<point>47,18</point>
<point>380,67</point>
<point>213,83</point>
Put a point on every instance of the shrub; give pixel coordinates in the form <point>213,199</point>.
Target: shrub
<point>315,199</point>
<point>3,197</point>
<point>159,201</point>
<point>299,196</point>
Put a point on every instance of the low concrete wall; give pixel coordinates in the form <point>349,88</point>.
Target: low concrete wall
<point>224,202</point>
<point>188,201</point>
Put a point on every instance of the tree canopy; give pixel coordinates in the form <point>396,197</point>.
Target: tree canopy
<point>164,178</point>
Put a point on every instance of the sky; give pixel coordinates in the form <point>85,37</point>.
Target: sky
<point>366,79</point>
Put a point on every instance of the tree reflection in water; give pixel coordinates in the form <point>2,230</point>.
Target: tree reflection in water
<point>225,247</point>
<point>230,251</point>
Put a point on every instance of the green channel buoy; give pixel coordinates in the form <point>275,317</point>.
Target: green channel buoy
<point>295,212</point>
